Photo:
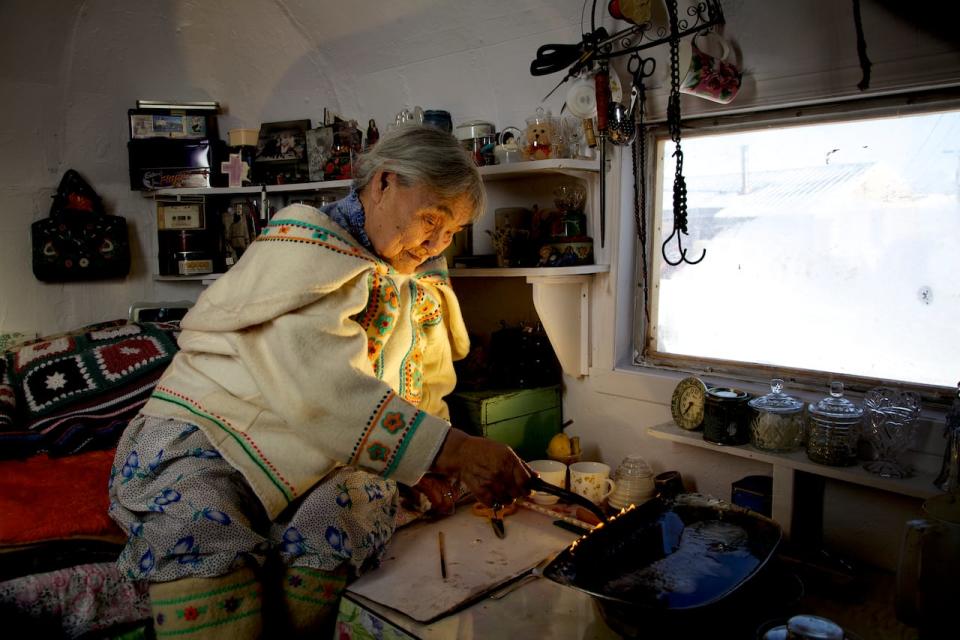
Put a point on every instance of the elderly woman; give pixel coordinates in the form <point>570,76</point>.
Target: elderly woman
<point>310,381</point>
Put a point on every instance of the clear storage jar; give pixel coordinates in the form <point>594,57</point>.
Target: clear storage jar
<point>834,428</point>
<point>777,424</point>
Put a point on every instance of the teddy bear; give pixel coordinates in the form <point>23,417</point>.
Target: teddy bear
<point>539,139</point>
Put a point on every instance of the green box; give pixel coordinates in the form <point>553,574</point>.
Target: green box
<point>524,419</point>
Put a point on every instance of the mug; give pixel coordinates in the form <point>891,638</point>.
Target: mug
<point>553,472</point>
<point>591,480</point>
<point>705,75</point>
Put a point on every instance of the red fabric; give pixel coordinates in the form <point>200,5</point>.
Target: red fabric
<point>43,498</point>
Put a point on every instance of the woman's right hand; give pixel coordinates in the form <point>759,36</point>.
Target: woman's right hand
<point>489,469</point>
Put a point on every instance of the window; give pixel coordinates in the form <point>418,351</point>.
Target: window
<point>831,249</point>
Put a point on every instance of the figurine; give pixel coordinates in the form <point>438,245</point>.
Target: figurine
<point>372,133</point>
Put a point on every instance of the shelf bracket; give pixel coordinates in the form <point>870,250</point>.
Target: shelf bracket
<point>563,304</point>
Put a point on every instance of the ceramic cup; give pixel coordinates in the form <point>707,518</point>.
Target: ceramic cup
<point>707,68</point>
<point>553,472</point>
<point>591,480</point>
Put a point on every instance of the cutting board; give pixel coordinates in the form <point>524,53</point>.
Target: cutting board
<point>409,579</point>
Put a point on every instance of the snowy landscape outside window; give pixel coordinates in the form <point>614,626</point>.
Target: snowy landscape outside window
<point>830,247</point>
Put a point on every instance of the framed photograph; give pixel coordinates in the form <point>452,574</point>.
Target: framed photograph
<point>282,141</point>
<point>319,147</point>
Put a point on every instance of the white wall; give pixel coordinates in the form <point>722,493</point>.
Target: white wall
<point>69,72</point>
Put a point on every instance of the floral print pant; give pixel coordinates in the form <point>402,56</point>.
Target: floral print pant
<point>188,513</point>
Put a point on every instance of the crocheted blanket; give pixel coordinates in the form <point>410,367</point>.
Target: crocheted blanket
<point>77,391</point>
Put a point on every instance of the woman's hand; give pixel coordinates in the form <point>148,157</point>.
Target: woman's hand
<point>489,469</point>
<point>440,491</point>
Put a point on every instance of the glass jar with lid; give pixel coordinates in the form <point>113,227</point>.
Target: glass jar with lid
<point>834,428</point>
<point>777,423</point>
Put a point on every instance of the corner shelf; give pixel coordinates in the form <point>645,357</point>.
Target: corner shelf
<point>786,464</point>
<point>561,296</point>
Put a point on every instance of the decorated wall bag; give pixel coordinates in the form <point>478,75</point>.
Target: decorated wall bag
<point>79,241</point>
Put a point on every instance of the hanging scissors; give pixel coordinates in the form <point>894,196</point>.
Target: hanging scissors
<point>496,514</point>
<point>639,68</point>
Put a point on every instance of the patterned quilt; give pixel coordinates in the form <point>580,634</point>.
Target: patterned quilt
<point>77,391</point>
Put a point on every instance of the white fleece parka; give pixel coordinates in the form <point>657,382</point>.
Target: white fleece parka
<point>312,353</point>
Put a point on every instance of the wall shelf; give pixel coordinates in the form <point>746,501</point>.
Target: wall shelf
<point>561,295</point>
<point>493,172</point>
<point>533,167</point>
<point>230,191</point>
<point>786,464</point>
<point>528,272</point>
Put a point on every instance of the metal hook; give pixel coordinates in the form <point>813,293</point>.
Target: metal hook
<point>683,252</point>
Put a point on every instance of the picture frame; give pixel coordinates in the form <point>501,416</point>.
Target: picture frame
<point>282,141</point>
<point>319,148</point>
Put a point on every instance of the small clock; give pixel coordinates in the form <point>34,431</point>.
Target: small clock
<point>687,403</point>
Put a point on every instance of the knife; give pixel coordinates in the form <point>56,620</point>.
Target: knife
<point>497,522</point>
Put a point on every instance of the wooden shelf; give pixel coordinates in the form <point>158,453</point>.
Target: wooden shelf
<point>785,466</point>
<point>533,167</point>
<point>919,486</point>
<point>204,279</point>
<point>538,272</point>
<point>493,172</point>
<point>273,188</point>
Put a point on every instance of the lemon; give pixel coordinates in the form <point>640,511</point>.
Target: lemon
<point>559,447</point>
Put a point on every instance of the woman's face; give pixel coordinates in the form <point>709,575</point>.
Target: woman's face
<point>409,225</point>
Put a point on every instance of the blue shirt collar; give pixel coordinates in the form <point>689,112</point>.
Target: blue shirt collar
<point>348,213</point>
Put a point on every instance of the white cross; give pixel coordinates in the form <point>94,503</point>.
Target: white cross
<point>236,169</point>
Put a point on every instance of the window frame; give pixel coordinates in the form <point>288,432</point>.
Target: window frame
<point>644,311</point>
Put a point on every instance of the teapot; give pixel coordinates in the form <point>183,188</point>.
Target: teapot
<point>929,565</point>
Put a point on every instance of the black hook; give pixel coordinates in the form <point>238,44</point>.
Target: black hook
<point>683,252</point>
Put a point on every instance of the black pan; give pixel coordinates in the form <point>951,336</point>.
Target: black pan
<point>668,562</point>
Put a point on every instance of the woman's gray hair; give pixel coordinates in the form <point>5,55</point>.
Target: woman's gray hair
<point>423,155</point>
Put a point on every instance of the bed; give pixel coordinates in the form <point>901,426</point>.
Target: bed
<point>64,400</point>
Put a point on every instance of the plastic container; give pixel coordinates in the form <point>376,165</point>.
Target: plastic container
<point>778,421</point>
<point>833,429</point>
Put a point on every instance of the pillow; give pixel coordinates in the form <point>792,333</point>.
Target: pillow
<point>76,391</point>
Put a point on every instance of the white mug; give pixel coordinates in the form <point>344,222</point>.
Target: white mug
<point>550,471</point>
<point>591,480</point>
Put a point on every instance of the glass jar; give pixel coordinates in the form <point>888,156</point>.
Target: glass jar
<point>890,419</point>
<point>478,139</point>
<point>834,428</point>
<point>634,483</point>
<point>726,416</point>
<point>777,423</point>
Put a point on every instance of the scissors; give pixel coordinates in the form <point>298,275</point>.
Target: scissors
<point>639,68</point>
<point>495,513</point>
